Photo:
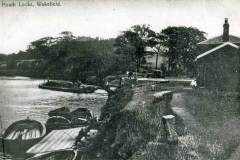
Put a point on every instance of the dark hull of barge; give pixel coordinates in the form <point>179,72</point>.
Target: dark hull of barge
<point>72,90</point>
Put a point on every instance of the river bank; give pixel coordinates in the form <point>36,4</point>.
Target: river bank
<point>39,74</point>
<point>132,128</point>
<point>22,73</point>
<point>130,122</point>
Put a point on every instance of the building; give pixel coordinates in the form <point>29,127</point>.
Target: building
<point>218,65</point>
<point>152,59</point>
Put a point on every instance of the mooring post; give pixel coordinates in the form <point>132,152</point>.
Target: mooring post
<point>169,128</point>
<point>153,87</point>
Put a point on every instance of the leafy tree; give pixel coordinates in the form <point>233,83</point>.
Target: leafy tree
<point>67,35</point>
<point>133,42</point>
<point>3,57</point>
<point>53,48</point>
<point>182,48</point>
<point>43,46</point>
<point>158,43</point>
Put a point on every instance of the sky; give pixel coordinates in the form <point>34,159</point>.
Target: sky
<point>107,18</point>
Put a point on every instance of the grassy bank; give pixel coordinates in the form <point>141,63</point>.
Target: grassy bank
<point>218,118</point>
<point>23,73</point>
<point>132,126</point>
<point>9,72</point>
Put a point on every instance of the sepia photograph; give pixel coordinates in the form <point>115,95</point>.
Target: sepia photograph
<point>119,80</point>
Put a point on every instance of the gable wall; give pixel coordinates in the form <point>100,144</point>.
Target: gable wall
<point>220,69</point>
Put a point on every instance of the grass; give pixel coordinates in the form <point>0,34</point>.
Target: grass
<point>131,120</point>
<point>132,125</point>
<point>218,116</point>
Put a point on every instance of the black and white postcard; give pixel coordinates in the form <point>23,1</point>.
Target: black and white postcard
<point>119,79</point>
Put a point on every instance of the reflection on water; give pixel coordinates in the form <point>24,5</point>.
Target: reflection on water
<point>4,156</point>
<point>20,98</point>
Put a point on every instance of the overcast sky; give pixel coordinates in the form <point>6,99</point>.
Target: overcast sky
<point>107,18</point>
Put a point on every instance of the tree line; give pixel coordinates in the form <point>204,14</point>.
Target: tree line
<point>177,44</point>
<point>91,59</point>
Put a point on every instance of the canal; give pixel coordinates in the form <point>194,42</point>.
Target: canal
<point>20,98</point>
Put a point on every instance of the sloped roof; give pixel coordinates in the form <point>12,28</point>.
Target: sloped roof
<point>218,40</point>
<point>216,48</point>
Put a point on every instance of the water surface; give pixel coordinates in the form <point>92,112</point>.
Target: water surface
<point>20,98</point>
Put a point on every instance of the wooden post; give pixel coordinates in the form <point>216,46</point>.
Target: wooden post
<point>153,87</point>
<point>169,129</point>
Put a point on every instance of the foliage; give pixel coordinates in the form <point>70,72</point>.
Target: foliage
<point>221,115</point>
<point>182,48</point>
<point>158,43</point>
<point>76,58</point>
<point>132,42</point>
<point>73,58</point>
<point>3,57</point>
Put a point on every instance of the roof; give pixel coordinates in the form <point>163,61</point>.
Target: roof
<point>219,40</point>
<point>56,140</point>
<point>216,48</point>
<point>149,49</point>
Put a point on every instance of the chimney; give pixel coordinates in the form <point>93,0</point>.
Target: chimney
<point>225,37</point>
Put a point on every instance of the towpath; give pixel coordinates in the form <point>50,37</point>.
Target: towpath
<point>179,108</point>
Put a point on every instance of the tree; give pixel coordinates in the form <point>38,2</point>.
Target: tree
<point>158,44</point>
<point>53,48</point>
<point>133,42</point>
<point>182,48</point>
<point>42,46</point>
<point>67,35</point>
